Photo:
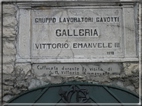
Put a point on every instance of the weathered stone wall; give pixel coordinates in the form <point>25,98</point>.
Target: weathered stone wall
<point>19,77</point>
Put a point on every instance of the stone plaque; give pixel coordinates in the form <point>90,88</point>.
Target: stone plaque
<point>97,69</point>
<point>75,33</point>
<point>78,34</point>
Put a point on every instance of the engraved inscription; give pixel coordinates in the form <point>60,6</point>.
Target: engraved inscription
<point>60,33</point>
<point>97,69</point>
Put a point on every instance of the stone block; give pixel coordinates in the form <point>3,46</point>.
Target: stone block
<point>130,68</point>
<point>25,67</point>
<point>7,97</point>
<point>9,83</point>
<point>56,79</point>
<point>8,68</point>
<point>9,9</point>
<point>127,82</point>
<point>132,88</point>
<point>7,77</point>
<point>22,84</point>
<point>137,91</point>
<point>15,91</point>
<point>9,21</point>
<point>7,88</point>
<point>9,32</point>
<point>114,76</point>
<point>46,79</point>
<point>120,84</point>
<point>8,59</point>
<point>36,83</point>
<point>136,85</point>
<point>9,48</point>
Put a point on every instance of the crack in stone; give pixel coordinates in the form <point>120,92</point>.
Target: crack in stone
<point>58,54</point>
<point>72,53</point>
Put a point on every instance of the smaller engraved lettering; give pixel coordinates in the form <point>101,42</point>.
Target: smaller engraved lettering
<point>107,19</point>
<point>45,20</point>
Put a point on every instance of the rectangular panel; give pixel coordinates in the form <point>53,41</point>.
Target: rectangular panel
<point>24,34</point>
<point>72,33</point>
<point>78,34</point>
<point>129,32</point>
<point>96,69</point>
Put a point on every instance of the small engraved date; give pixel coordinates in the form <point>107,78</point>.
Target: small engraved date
<point>110,53</point>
